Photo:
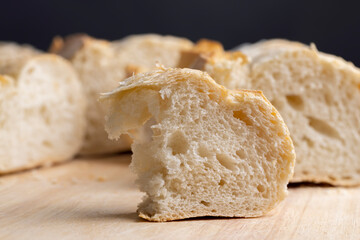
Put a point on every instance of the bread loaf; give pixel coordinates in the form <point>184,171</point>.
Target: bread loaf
<point>102,64</point>
<point>209,151</point>
<point>317,94</point>
<point>42,109</point>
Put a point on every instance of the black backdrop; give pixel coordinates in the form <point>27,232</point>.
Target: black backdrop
<point>333,25</point>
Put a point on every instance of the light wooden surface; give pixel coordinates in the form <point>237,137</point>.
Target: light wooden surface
<point>97,198</point>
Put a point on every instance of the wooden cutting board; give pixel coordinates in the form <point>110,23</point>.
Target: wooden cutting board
<point>97,198</point>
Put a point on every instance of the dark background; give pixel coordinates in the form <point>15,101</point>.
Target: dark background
<point>333,25</point>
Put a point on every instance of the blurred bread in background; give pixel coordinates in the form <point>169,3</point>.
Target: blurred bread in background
<point>317,94</point>
<point>101,65</point>
<point>42,109</point>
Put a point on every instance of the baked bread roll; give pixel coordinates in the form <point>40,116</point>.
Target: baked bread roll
<point>209,151</point>
<point>101,65</point>
<point>317,94</point>
<point>42,109</point>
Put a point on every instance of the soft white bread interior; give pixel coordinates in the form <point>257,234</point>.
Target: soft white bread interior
<point>101,65</point>
<point>42,109</point>
<point>208,152</point>
<point>317,94</point>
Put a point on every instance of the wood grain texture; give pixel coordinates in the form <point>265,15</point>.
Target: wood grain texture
<point>97,199</point>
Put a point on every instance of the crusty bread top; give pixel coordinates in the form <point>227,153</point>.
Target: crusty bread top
<point>270,49</point>
<point>165,76</point>
<point>149,80</point>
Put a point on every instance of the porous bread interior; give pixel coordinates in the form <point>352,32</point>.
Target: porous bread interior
<point>101,65</point>
<point>211,152</point>
<point>42,112</point>
<point>317,94</point>
<point>319,98</point>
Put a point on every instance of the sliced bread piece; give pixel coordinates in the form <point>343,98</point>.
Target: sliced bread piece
<point>209,151</point>
<point>317,94</point>
<point>42,109</point>
<point>101,65</point>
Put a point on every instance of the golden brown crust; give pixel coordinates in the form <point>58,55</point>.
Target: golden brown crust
<point>68,46</point>
<point>207,51</point>
<point>56,44</point>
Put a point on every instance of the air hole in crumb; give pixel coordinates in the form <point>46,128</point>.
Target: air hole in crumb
<point>265,194</point>
<point>323,128</point>
<point>308,141</point>
<point>243,117</point>
<point>295,101</point>
<point>205,203</point>
<point>305,172</point>
<point>222,182</point>
<point>328,99</point>
<point>213,96</point>
<point>182,113</point>
<point>358,171</point>
<point>227,161</point>
<point>260,188</point>
<point>203,151</point>
<point>235,192</point>
<point>213,210</point>
<point>241,153</point>
<point>178,143</point>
